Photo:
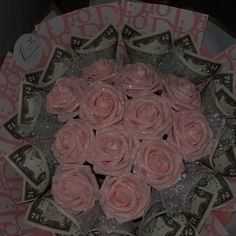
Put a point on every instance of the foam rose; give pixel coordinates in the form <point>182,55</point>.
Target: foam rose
<point>75,188</point>
<point>64,98</point>
<point>159,164</point>
<point>139,79</point>
<point>102,105</point>
<point>125,197</point>
<point>191,134</point>
<point>148,117</point>
<point>113,151</point>
<point>182,93</point>
<point>72,142</point>
<point>105,70</point>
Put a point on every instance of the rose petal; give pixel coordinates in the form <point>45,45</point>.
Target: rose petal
<point>72,142</point>
<point>159,164</point>
<point>105,70</point>
<point>64,97</point>
<point>113,151</point>
<point>125,197</point>
<point>191,134</point>
<point>148,117</point>
<point>137,80</point>
<point>75,187</point>
<point>182,93</point>
<point>102,105</point>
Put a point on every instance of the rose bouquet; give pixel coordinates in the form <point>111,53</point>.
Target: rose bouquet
<point>108,132</point>
<point>125,145</point>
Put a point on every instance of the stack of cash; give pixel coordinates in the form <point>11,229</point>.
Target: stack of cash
<point>212,192</point>
<point>169,55</point>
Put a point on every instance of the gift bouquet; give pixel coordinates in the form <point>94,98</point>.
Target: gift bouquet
<point>120,129</point>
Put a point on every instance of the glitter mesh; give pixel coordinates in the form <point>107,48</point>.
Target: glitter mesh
<point>224,131</point>
<point>176,198</point>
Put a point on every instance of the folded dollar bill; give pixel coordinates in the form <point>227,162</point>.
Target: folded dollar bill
<point>103,45</point>
<point>15,130</point>
<point>169,55</point>
<point>44,214</point>
<point>56,66</point>
<point>185,44</point>
<point>30,104</point>
<point>147,48</point>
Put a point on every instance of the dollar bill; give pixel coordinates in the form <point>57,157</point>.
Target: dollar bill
<point>168,226</point>
<point>157,43</point>
<point>160,225</point>
<point>30,193</point>
<point>77,42</point>
<point>186,228</point>
<point>150,49</point>
<point>185,44</point>
<point>205,161</point>
<point>56,66</point>
<point>43,214</point>
<point>201,204</point>
<point>30,163</point>
<point>136,56</point>
<point>225,164</point>
<point>46,145</point>
<point>129,33</point>
<point>176,64</point>
<point>225,102</point>
<point>89,56</point>
<point>103,45</point>
<point>157,222</point>
<point>201,65</point>
<point>105,38</point>
<point>149,221</point>
<point>52,163</point>
<point>16,131</point>
<point>34,77</point>
<point>196,69</point>
<point>217,185</point>
<point>223,158</point>
<point>30,104</point>
<point>225,80</point>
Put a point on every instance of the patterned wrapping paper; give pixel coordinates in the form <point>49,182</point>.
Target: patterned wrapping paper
<point>158,18</point>
<point>145,17</point>
<point>228,58</point>
<point>142,16</point>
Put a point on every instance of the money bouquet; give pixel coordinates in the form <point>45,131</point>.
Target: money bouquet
<point>125,133</point>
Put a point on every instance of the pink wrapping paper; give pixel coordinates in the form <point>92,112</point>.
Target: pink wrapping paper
<point>145,17</point>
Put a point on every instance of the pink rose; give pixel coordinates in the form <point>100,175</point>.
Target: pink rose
<point>191,134</point>
<point>139,79</point>
<point>148,117</point>
<point>102,105</point>
<point>72,142</point>
<point>75,188</point>
<point>64,98</point>
<point>125,197</point>
<point>113,151</point>
<point>182,93</point>
<point>159,164</point>
<point>105,70</point>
